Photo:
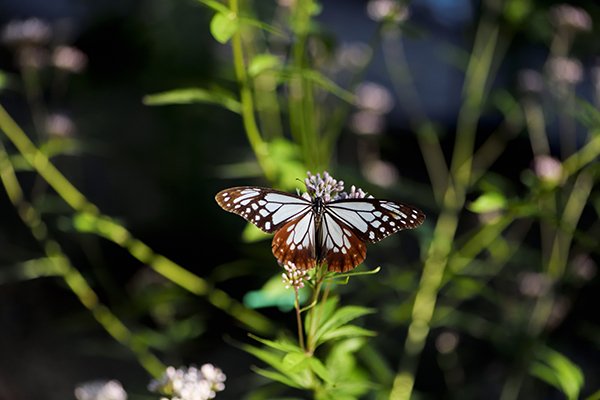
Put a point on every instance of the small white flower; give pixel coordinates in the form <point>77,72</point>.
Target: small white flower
<point>379,10</point>
<point>59,125</point>
<point>565,69</point>
<point>100,390</point>
<point>374,97</point>
<point>69,59</point>
<point>190,383</point>
<point>293,277</point>
<point>530,81</point>
<point>567,16</point>
<point>548,169</point>
<point>32,31</point>
<point>328,188</point>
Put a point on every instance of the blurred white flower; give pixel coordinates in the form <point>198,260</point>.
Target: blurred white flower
<point>32,32</point>
<point>374,97</point>
<point>379,10</point>
<point>570,17</point>
<point>584,267</point>
<point>353,55</point>
<point>446,342</point>
<point>59,125</point>
<point>548,169</point>
<point>533,284</point>
<point>190,383</point>
<point>530,81</point>
<point>100,390</point>
<point>565,69</point>
<point>367,123</point>
<point>381,173</point>
<point>69,59</point>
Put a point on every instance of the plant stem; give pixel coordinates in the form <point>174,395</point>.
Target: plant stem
<point>474,90</point>
<point>299,320</point>
<point>259,147</point>
<point>106,227</point>
<point>73,278</point>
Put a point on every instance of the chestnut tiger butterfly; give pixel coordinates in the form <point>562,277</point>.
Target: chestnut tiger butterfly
<point>309,232</point>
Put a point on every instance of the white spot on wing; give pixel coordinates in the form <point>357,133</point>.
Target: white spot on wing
<point>351,218</point>
<point>288,210</point>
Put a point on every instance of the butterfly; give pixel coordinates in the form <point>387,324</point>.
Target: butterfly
<point>309,232</point>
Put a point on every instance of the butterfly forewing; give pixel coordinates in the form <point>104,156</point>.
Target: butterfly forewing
<point>372,219</point>
<point>268,209</point>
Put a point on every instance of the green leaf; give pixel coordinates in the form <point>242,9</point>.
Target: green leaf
<point>30,269</point>
<point>216,96</point>
<point>286,159</point>
<point>274,294</point>
<point>339,318</point>
<point>282,344</point>
<point>557,370</point>
<point>223,26</point>
<point>215,5</point>
<point>320,80</point>
<point>318,368</point>
<point>252,234</point>
<point>488,202</point>
<point>278,377</point>
<point>346,331</point>
<point>263,62</point>
<point>320,312</point>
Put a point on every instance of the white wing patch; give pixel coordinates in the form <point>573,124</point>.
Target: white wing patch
<point>334,237</point>
<point>266,208</point>
<point>372,219</point>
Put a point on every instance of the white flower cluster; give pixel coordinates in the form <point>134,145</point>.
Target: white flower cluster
<point>190,383</point>
<point>100,390</point>
<point>329,189</point>
<point>293,277</point>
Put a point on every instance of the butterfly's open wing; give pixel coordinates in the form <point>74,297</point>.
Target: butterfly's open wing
<point>372,219</point>
<point>266,208</point>
<point>348,224</point>
<point>289,215</point>
<point>340,247</point>
<point>295,242</point>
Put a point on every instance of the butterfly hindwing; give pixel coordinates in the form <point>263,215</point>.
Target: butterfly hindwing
<point>295,242</point>
<point>373,220</point>
<point>341,248</point>
<point>268,209</point>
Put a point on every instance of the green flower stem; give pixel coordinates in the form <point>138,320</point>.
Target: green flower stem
<point>555,268</point>
<point>76,282</point>
<point>119,235</point>
<point>477,78</point>
<point>259,147</point>
<point>301,98</point>
<point>299,319</point>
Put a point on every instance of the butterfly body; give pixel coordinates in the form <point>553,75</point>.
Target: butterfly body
<point>310,231</point>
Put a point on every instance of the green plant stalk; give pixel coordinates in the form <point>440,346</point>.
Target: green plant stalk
<point>301,97</point>
<point>259,147</point>
<point>397,66</point>
<point>76,282</point>
<point>119,235</point>
<point>477,77</point>
<point>299,320</point>
<point>339,117</point>
<point>555,268</point>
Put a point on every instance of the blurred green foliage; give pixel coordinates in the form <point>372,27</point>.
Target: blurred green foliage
<point>110,206</point>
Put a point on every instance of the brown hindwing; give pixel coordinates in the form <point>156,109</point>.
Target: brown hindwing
<point>293,245</point>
